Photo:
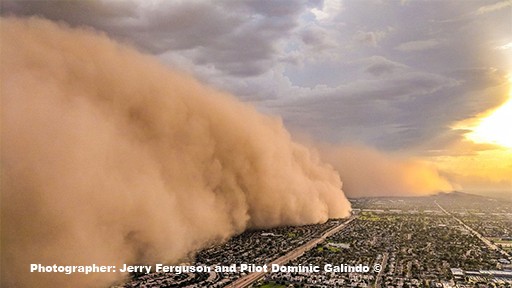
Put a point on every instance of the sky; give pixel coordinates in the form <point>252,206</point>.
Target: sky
<point>428,80</point>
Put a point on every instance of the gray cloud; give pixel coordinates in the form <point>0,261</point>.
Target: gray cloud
<point>480,78</point>
<point>238,39</point>
<point>361,111</point>
<point>368,38</point>
<point>409,110</point>
<point>418,45</point>
<point>379,65</point>
<point>318,39</point>
<point>493,7</point>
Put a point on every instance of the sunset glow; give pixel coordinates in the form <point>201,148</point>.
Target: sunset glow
<point>496,128</point>
<point>492,127</point>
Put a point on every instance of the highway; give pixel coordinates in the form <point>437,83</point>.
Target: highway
<point>248,279</point>
<point>485,240</point>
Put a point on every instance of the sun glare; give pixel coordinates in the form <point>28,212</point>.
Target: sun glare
<point>495,128</point>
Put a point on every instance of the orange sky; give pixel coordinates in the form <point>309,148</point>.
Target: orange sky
<point>489,169</point>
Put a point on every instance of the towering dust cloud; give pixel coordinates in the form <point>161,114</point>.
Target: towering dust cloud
<point>109,158</point>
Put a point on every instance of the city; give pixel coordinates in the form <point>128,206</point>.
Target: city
<point>445,240</point>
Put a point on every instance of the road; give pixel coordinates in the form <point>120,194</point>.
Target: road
<point>292,255</point>
<point>382,266</point>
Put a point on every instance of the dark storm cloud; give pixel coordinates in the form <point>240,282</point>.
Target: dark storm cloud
<point>404,111</point>
<point>426,122</point>
<point>237,38</point>
<point>369,106</point>
<point>408,110</point>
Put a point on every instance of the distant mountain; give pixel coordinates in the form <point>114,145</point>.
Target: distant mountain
<point>450,195</point>
<point>455,194</point>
